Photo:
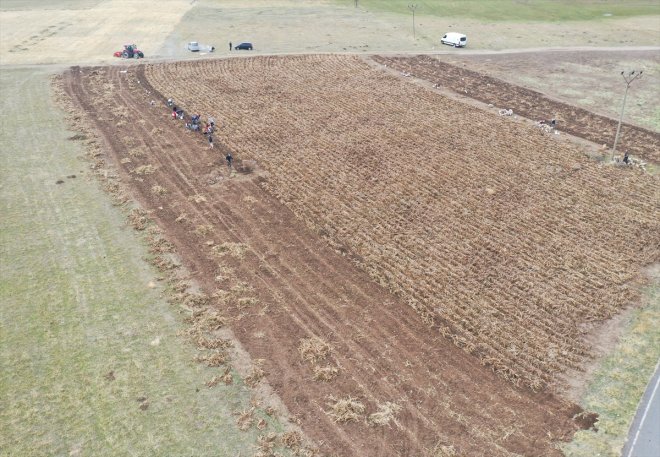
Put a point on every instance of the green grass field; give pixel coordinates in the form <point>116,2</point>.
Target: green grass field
<point>620,382</point>
<point>516,10</point>
<point>76,304</point>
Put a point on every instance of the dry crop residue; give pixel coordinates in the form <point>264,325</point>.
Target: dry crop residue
<point>506,241</point>
<point>576,121</point>
<point>365,172</point>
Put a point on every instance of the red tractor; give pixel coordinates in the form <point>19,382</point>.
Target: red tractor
<point>130,51</point>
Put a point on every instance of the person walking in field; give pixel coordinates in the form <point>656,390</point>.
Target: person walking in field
<point>210,141</point>
<point>230,46</point>
<point>229,159</point>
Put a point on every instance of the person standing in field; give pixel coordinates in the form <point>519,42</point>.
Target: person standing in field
<point>230,45</point>
<point>229,159</point>
<point>210,141</point>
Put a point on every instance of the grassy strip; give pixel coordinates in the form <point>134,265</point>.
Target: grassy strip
<point>91,361</point>
<point>620,383</point>
<point>515,10</point>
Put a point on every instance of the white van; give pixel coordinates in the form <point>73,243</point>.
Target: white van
<point>457,40</point>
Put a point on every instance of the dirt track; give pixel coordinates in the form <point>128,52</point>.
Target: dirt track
<point>383,351</point>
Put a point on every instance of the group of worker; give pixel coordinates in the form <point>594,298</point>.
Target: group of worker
<point>194,125</point>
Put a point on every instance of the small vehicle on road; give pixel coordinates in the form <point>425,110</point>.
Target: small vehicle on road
<point>457,40</point>
<point>193,46</point>
<point>243,46</point>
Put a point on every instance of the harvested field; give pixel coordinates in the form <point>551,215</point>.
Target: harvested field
<point>498,238</point>
<point>507,242</point>
<point>528,103</point>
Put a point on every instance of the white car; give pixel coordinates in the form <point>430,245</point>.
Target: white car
<point>457,40</point>
<point>193,46</point>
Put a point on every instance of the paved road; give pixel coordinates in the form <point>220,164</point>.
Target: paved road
<point>644,435</point>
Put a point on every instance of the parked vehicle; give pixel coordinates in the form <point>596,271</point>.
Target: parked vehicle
<point>130,51</point>
<point>244,46</point>
<point>193,46</point>
<point>457,40</point>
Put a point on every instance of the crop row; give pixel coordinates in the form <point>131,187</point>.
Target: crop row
<point>510,243</point>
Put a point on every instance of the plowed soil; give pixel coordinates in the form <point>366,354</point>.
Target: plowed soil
<point>528,103</point>
<point>237,237</point>
<point>508,242</point>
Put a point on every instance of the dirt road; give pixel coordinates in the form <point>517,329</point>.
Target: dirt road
<point>643,439</point>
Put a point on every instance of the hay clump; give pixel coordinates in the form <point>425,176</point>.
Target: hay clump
<point>180,286</point>
<point>256,374</point>
<point>207,320</point>
<point>346,409</point>
<point>197,300</point>
<point>385,414</point>
<point>314,349</point>
<point>214,381</point>
<point>265,445</point>
<point>246,302</point>
<point>138,219</point>
<point>163,264</point>
<point>225,378</point>
<point>223,273</point>
<point>160,245</point>
<point>144,170</point>
<point>241,288</point>
<point>158,190</point>
<point>214,359</point>
<point>291,440</point>
<point>236,250</point>
<point>245,419</point>
<point>136,152</point>
<point>204,342</point>
<point>325,373</point>
<point>204,229</point>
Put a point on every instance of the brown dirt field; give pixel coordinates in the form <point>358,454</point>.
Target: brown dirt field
<point>508,242</point>
<point>279,283</point>
<point>528,103</point>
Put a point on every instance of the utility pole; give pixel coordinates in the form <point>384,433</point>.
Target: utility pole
<point>628,78</point>
<point>412,7</point>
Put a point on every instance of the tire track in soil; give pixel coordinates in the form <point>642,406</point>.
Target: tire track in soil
<point>322,316</point>
<point>446,395</point>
